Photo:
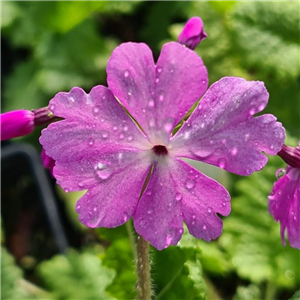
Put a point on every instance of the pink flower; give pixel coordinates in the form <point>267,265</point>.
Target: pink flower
<point>192,33</point>
<point>100,148</point>
<point>16,123</point>
<point>284,201</point>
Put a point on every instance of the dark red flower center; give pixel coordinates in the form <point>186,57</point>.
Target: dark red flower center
<point>160,150</point>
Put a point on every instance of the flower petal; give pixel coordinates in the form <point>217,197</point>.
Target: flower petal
<point>112,202</point>
<point>223,132</point>
<point>96,132</point>
<point>284,205</point>
<point>156,96</point>
<point>176,192</point>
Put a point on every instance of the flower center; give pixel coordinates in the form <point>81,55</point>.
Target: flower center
<point>160,150</point>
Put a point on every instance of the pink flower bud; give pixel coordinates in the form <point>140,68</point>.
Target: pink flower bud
<point>16,123</point>
<point>192,33</point>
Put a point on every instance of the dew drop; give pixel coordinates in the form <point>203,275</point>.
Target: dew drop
<point>115,128</point>
<point>126,73</point>
<point>152,123</point>
<point>100,166</point>
<point>130,138</point>
<point>168,127</point>
<point>149,212</point>
<point>121,136</point>
<point>252,111</point>
<point>224,141</point>
<point>169,239</point>
<point>77,206</point>
<point>52,106</point>
<point>96,110</point>
<point>194,217</point>
<point>221,163</point>
<point>178,197</point>
<point>91,142</point>
<point>129,93</point>
<point>234,151</point>
<point>151,103</point>
<point>190,184</point>
<point>157,80</point>
<point>161,98</point>
<point>224,204</point>
<point>143,110</point>
<point>159,69</point>
<point>105,135</point>
<point>125,128</point>
<point>171,71</point>
<point>203,81</point>
<point>209,210</point>
<point>202,125</point>
<point>247,135</point>
<point>67,190</point>
<point>103,174</point>
<point>125,217</point>
<point>72,99</point>
<point>204,227</point>
<point>80,184</point>
<point>180,231</point>
<point>95,209</point>
<point>102,120</point>
<point>280,173</point>
<point>193,222</point>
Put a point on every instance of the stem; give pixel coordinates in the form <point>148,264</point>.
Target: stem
<point>143,269</point>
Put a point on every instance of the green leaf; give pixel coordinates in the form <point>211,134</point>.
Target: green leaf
<point>177,274</point>
<point>119,256</point>
<point>296,296</point>
<point>76,276</point>
<point>268,36</point>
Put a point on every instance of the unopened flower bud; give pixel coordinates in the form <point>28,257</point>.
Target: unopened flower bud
<point>192,33</point>
<point>16,123</point>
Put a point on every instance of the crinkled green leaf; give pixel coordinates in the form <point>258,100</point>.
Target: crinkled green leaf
<point>177,274</point>
<point>119,256</point>
<point>268,34</point>
<point>76,276</point>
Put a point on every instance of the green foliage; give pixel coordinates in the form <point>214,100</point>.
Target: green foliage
<point>76,276</point>
<point>119,256</point>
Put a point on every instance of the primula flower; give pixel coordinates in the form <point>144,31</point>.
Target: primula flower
<point>192,33</point>
<point>284,200</point>
<point>100,148</point>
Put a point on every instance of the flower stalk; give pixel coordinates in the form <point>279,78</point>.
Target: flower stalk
<point>143,269</point>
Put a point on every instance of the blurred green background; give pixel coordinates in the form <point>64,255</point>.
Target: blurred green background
<point>51,46</point>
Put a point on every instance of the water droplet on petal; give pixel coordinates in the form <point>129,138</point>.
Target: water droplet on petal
<point>161,98</point>
<point>125,128</point>
<point>67,190</point>
<point>72,99</point>
<point>247,135</point>
<point>168,127</point>
<point>130,138</point>
<point>221,163</point>
<point>194,217</point>
<point>209,210</point>
<point>96,110</point>
<point>121,136</point>
<point>180,231</point>
<point>151,103</point>
<point>126,73</point>
<point>203,81</point>
<point>149,193</point>
<point>252,111</point>
<point>80,184</point>
<point>129,93</point>
<point>115,128</point>
<point>91,142</point>
<point>143,110</point>
<point>169,239</point>
<point>234,151</point>
<point>95,209</point>
<point>78,206</point>
<point>157,80</point>
<point>52,106</point>
<point>190,184</point>
<point>202,125</point>
<point>178,197</point>
<point>104,135</point>
<point>149,212</point>
<point>204,227</point>
<point>125,217</point>
<point>280,173</point>
<point>159,69</point>
<point>224,204</point>
<point>224,141</point>
<point>152,123</point>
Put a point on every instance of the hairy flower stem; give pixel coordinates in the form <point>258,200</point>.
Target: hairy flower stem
<point>143,269</point>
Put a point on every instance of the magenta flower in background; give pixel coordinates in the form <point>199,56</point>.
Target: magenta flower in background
<point>284,200</point>
<point>192,33</point>
<point>16,123</point>
<point>98,147</point>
